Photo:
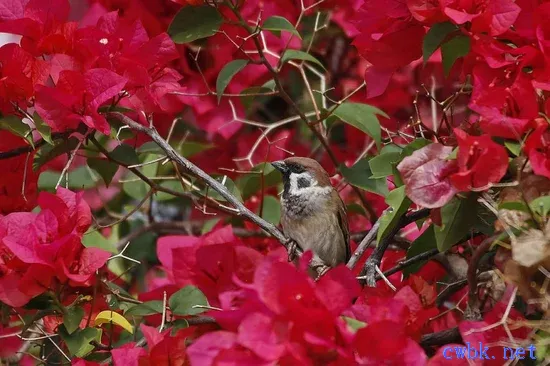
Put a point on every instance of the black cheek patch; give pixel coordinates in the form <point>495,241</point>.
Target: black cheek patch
<point>303,182</point>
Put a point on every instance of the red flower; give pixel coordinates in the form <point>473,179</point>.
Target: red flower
<point>41,23</point>
<point>426,175</point>
<point>537,148</point>
<point>491,335</point>
<point>493,16</point>
<point>505,105</point>
<point>36,248</point>
<point>481,161</point>
<point>19,73</point>
<point>13,170</point>
<point>77,97</point>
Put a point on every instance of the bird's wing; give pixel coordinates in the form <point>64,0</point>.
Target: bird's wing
<point>343,222</point>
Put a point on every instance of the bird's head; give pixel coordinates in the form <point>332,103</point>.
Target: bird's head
<point>300,175</point>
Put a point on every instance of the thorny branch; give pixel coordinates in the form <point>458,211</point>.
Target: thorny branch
<point>241,209</point>
<point>37,144</point>
<point>473,312</point>
<point>368,274</point>
<point>292,103</point>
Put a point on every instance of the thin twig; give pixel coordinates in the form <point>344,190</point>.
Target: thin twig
<point>211,182</point>
<point>369,270</point>
<point>364,245</point>
<point>473,312</point>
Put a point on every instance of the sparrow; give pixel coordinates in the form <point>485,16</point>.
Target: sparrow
<point>313,215</point>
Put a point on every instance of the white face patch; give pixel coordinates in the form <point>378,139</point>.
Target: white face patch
<point>300,182</point>
<point>306,196</point>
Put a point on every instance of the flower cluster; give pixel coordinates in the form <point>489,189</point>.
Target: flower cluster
<point>43,251</point>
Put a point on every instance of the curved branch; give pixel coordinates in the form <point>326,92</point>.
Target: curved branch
<point>26,149</point>
<point>473,311</point>
<point>196,171</point>
<point>369,270</point>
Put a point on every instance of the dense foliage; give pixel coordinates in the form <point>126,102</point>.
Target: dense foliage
<point>139,214</point>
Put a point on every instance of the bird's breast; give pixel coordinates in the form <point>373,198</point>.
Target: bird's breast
<point>318,231</point>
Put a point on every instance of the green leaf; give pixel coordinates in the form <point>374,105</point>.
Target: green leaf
<point>194,22</point>
<point>79,178</point>
<point>119,131</point>
<point>513,205</point>
<point>382,165</point>
<point>177,325</point>
<point>105,168</point>
<point>72,318</point>
<point>300,55</point>
<point>249,184</point>
<point>94,239</point>
<point>150,147</point>
<point>514,147</point>
<point>426,241</point>
<point>276,24</point>
<point>43,129</point>
<point>437,34</point>
<point>453,154</point>
<point>183,301</point>
<point>226,74</point>
<point>417,144</point>
<point>170,184</point>
<point>147,308</point>
<point>457,218</point>
<point>271,210</point>
<point>190,148</point>
<point>354,324</point>
<point>209,225</point>
<point>541,205</point>
<point>363,117</point>
<point>228,183</point>
<point>359,176</point>
<point>116,289</point>
<point>399,203</point>
<point>125,154</point>
<point>78,342</point>
<point>248,96</point>
<point>17,127</point>
<point>135,189</point>
<point>453,49</point>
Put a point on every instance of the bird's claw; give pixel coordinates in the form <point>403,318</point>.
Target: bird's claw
<point>321,270</point>
<point>291,250</point>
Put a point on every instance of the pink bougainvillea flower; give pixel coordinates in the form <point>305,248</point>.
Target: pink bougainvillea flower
<point>13,196</point>
<point>41,23</point>
<point>505,106</point>
<point>494,16</point>
<point>426,175</point>
<point>20,72</point>
<point>210,262</point>
<point>388,38</point>
<point>77,97</point>
<point>481,161</point>
<point>376,345</point>
<point>537,148</point>
<point>37,248</point>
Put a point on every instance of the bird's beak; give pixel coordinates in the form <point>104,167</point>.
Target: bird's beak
<point>280,166</point>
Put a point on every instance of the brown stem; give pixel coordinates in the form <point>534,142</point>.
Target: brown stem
<point>417,258</point>
<point>447,336</point>
<point>473,311</point>
<point>364,245</point>
<point>157,187</point>
<point>290,101</point>
<point>26,149</point>
<point>368,274</point>
<point>196,171</point>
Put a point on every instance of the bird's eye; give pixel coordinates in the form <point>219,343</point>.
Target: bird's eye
<point>303,182</point>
